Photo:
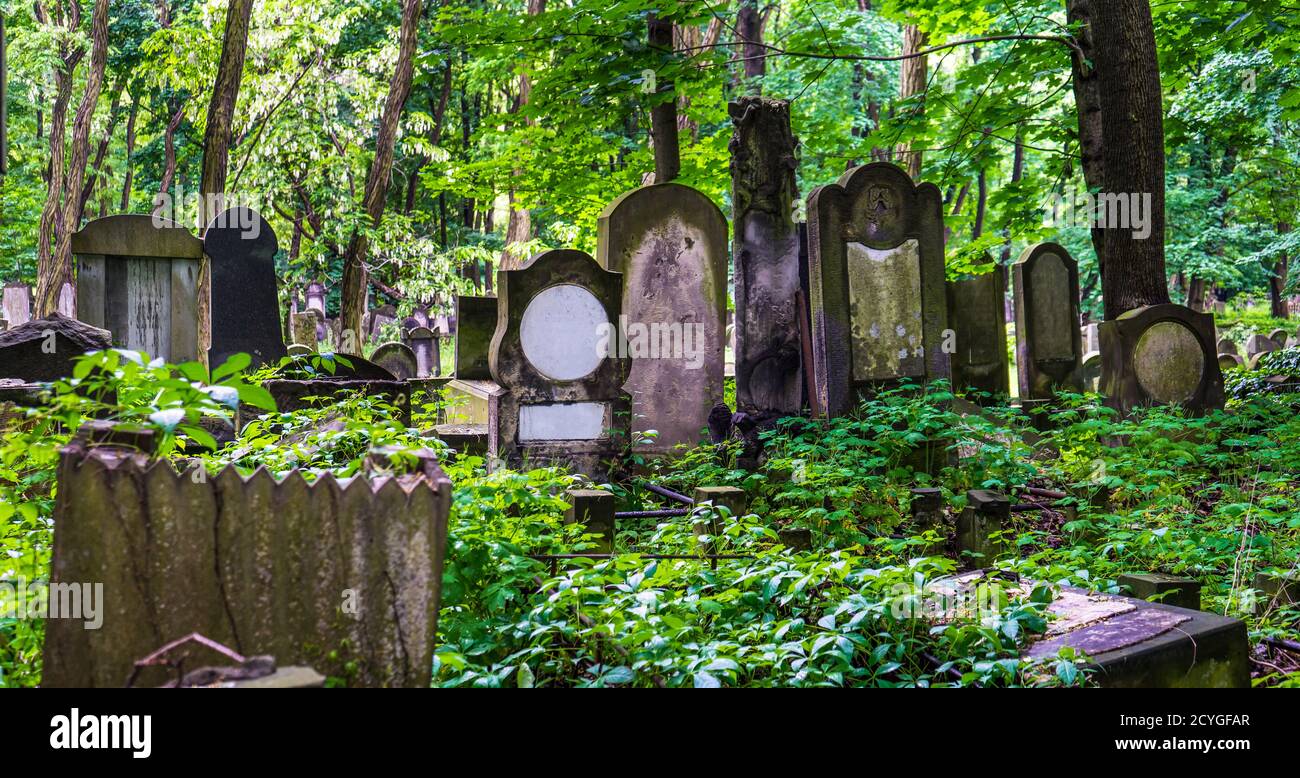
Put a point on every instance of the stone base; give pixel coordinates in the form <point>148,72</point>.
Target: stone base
<point>466,439</point>
<point>467,401</point>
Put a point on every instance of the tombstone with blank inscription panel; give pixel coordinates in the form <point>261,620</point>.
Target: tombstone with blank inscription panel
<point>559,374</point>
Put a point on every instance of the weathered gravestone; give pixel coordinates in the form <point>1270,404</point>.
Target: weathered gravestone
<point>241,248</point>
<point>1260,344</point>
<point>1226,346</point>
<point>137,277</point>
<point>343,575</point>
<point>477,321</point>
<point>16,304</point>
<point>67,304</point>
<point>977,318</point>
<point>1279,337</point>
<point>378,318</point>
<point>768,347</point>
<point>1161,355</point>
<point>670,243</point>
<point>425,344</point>
<point>45,349</point>
<point>1091,336</point>
<point>876,266</point>
<point>306,328</point>
<point>1229,362</point>
<point>1090,371</point>
<point>398,359</point>
<point>1049,345</point>
<point>555,359</point>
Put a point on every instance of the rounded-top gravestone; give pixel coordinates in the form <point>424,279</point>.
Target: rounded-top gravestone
<point>398,359</point>
<point>241,247</point>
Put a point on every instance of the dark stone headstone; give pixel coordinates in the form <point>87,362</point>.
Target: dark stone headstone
<point>45,349</point>
<point>398,359</point>
<point>241,248</point>
<point>476,322</point>
<point>1049,344</point>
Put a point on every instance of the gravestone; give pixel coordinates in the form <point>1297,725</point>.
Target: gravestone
<point>876,268</point>
<point>477,321</point>
<point>1161,355</point>
<point>398,359</point>
<point>1049,345</point>
<point>306,328</point>
<point>17,304</point>
<point>421,314</point>
<point>1230,361</point>
<point>1226,346</point>
<point>46,349</point>
<point>1260,344</point>
<point>1279,337</point>
<point>1090,371</point>
<point>379,318</point>
<point>1091,338</point>
<point>977,317</point>
<point>670,243</point>
<point>767,348</point>
<point>67,305</point>
<point>559,398</point>
<point>425,345</point>
<point>137,277</point>
<point>241,249</point>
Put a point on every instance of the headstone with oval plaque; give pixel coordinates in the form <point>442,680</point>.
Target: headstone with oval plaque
<point>1161,355</point>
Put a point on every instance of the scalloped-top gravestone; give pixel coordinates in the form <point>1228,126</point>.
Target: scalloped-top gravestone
<point>670,243</point>
<point>241,249</point>
<point>876,268</point>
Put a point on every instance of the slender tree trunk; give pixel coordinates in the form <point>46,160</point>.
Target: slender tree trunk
<point>221,109</point>
<point>354,261</point>
<point>1133,151</point>
<point>169,152</point>
<point>913,73</point>
<point>101,151</point>
<point>749,31</point>
<point>519,228</point>
<point>80,153</point>
<point>663,116</point>
<point>1278,305</point>
<point>127,179</point>
<point>1017,173</point>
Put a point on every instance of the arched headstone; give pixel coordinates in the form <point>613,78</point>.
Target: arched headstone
<point>241,248</point>
<point>977,318</point>
<point>876,270</point>
<point>1049,343</point>
<point>398,359</point>
<point>1161,355</point>
<point>670,243</point>
<point>425,345</point>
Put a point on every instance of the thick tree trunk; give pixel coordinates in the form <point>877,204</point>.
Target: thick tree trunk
<point>912,82</point>
<point>1133,152</point>
<point>354,261</point>
<point>663,116</point>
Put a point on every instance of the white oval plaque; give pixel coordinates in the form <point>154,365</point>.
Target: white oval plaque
<point>562,332</point>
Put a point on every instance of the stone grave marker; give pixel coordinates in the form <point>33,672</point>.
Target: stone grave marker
<point>17,304</point>
<point>767,344</point>
<point>137,277</point>
<point>424,344</point>
<point>1260,344</point>
<point>1226,346</point>
<point>378,318</point>
<point>1090,371</point>
<point>1049,344</point>
<point>556,363</point>
<point>46,349</point>
<point>1161,355</point>
<point>241,249</point>
<point>477,321</point>
<point>1229,361</point>
<point>876,267</point>
<point>977,317</point>
<point>1279,337</point>
<point>306,328</point>
<point>398,359</point>
<point>670,244</point>
<point>1091,338</point>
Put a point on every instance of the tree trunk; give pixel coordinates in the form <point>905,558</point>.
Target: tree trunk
<point>354,261</point>
<point>169,154</point>
<point>519,228</point>
<point>101,151</point>
<point>1087,98</point>
<point>749,30</point>
<point>130,152</point>
<point>912,80</point>
<point>1278,305</point>
<point>221,110</point>
<point>1133,152</point>
<point>80,153</point>
<point>663,116</point>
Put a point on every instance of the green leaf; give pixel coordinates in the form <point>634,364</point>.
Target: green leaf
<point>256,396</point>
<point>234,364</point>
<point>706,681</point>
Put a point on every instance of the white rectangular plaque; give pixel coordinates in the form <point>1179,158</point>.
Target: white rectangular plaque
<point>562,421</point>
